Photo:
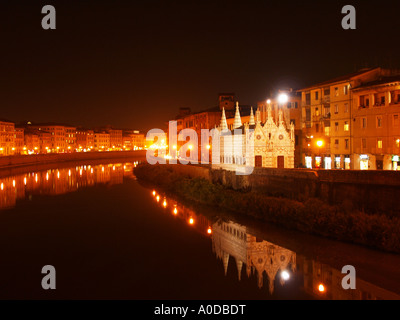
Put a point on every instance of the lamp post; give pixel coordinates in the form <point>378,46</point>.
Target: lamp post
<point>320,144</point>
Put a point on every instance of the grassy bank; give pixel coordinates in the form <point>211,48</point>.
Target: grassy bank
<point>313,216</point>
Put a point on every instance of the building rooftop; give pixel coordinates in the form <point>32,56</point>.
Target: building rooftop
<point>343,78</point>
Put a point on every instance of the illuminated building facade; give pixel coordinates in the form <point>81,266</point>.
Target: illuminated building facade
<point>273,142</point>
<point>84,139</point>
<point>19,143</point>
<point>327,120</point>
<point>376,124</point>
<point>102,141</point>
<point>7,137</point>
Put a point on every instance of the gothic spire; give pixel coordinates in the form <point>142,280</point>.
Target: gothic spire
<point>251,121</point>
<point>237,123</point>
<point>223,125</point>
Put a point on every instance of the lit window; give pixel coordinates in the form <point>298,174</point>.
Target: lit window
<point>379,143</point>
<point>346,126</point>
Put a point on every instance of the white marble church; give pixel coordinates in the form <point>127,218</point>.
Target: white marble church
<point>273,142</point>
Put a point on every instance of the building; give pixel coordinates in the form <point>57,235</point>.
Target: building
<point>115,138</point>
<point>205,119</point>
<point>133,140</point>
<point>376,124</point>
<point>70,138</point>
<point>7,137</point>
<point>327,121</point>
<point>272,141</point>
<point>19,143</point>
<point>62,136</point>
<point>84,139</point>
<point>102,141</point>
<point>291,114</point>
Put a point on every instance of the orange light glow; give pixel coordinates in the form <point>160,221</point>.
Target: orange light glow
<point>14,183</point>
<point>209,231</point>
<point>154,192</point>
<point>191,221</point>
<point>175,211</point>
<point>158,198</point>
<point>321,288</point>
<point>164,203</point>
<point>2,186</point>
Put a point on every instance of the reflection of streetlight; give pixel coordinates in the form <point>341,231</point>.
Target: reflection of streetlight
<point>321,288</point>
<point>285,275</point>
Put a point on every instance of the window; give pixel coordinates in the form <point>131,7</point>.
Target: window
<point>367,102</point>
<point>308,98</point>
<point>316,95</point>
<point>346,126</point>
<point>379,121</point>
<point>327,91</point>
<point>336,143</point>
<point>327,131</point>
<point>364,143</point>
<point>336,126</point>
<point>397,142</point>
<point>293,121</point>
<point>346,107</point>
<point>382,101</point>
<point>308,114</point>
<point>316,127</point>
<point>336,108</point>
<point>379,144</point>
<point>346,143</point>
<point>336,91</point>
<point>363,123</point>
<point>346,89</point>
<point>317,112</point>
<point>395,120</point>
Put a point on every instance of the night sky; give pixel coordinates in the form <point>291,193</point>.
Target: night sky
<point>133,64</point>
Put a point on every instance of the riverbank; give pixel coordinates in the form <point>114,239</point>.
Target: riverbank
<point>310,216</point>
<point>40,159</point>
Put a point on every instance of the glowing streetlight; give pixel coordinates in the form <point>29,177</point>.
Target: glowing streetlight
<point>209,231</point>
<point>191,221</point>
<point>320,143</point>
<point>283,98</point>
<point>208,147</point>
<point>321,288</point>
<point>269,101</point>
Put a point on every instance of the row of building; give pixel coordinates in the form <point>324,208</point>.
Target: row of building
<point>31,138</point>
<point>350,122</point>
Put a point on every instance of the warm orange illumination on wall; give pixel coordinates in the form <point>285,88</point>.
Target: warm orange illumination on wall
<point>320,143</point>
<point>164,203</point>
<point>321,288</point>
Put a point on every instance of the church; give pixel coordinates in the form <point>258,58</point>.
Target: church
<point>268,144</point>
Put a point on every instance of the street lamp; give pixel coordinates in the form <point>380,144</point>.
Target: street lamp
<point>283,98</point>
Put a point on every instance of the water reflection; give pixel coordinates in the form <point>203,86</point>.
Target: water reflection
<point>271,263</point>
<point>60,181</point>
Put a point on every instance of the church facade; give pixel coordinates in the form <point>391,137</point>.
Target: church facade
<point>256,144</point>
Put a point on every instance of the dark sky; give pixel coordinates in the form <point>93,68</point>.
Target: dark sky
<point>133,64</point>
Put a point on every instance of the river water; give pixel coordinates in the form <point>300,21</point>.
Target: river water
<point>110,237</point>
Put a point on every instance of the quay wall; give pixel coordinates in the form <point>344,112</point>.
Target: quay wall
<point>373,191</point>
<point>40,159</point>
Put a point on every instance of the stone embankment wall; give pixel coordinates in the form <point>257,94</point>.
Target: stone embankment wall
<point>39,159</point>
<point>371,191</point>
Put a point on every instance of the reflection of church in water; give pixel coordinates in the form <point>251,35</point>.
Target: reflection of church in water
<point>257,256</point>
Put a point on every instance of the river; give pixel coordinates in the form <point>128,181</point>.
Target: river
<point>110,237</point>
